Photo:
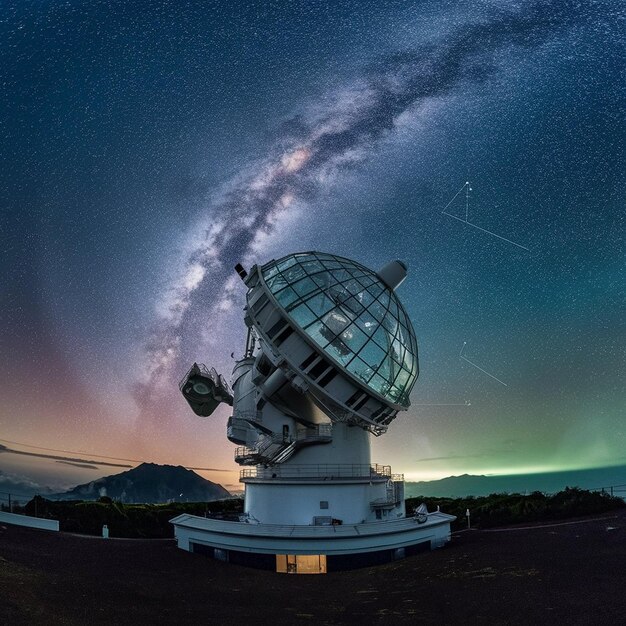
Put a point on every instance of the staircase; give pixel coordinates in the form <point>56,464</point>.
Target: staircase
<point>272,449</point>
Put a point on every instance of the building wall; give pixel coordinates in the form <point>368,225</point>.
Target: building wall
<point>298,504</point>
<point>407,534</point>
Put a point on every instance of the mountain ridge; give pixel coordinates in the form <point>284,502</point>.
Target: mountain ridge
<point>549,482</point>
<point>149,483</point>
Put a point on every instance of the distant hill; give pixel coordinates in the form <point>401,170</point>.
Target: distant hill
<point>151,484</point>
<point>549,482</point>
<point>20,488</point>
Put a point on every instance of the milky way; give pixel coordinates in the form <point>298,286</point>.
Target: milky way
<point>324,141</point>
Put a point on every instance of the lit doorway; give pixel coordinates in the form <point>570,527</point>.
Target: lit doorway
<point>301,563</point>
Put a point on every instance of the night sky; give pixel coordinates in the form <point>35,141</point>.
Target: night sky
<point>147,147</point>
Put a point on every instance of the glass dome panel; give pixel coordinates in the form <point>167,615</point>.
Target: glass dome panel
<point>320,304</point>
<point>354,337</point>
<point>361,369</point>
<point>287,296</point>
<point>339,351</point>
<point>352,315</point>
<point>304,286</point>
<point>303,315</point>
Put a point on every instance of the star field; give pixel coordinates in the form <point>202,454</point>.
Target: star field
<point>148,147</point>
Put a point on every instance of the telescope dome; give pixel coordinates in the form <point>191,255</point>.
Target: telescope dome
<point>353,315</point>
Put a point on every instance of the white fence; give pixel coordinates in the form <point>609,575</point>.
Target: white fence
<point>30,522</point>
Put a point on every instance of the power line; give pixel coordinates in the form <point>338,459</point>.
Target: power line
<point>100,456</point>
<point>12,493</point>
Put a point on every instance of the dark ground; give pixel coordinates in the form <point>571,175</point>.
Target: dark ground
<point>573,573</point>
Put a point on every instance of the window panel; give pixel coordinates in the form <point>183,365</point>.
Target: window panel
<point>360,369</point>
<point>357,272</point>
<point>382,338</point>
<point>366,280</point>
<point>388,368</point>
<point>401,380</point>
<point>338,294</point>
<point>288,262</point>
<point>408,361</point>
<point>341,275</point>
<point>322,280</point>
<point>302,315</point>
<point>402,318</point>
<point>286,296</point>
<point>393,308</point>
<point>294,273</point>
<point>378,311</point>
<point>395,394</point>
<point>319,333</point>
<point>383,298</point>
<point>312,266</point>
<point>390,324</point>
<point>305,258</point>
<point>269,272</point>
<point>401,337</point>
<point>366,299</point>
<point>379,384</point>
<point>354,338</point>
<point>354,305</point>
<point>372,354</point>
<point>331,264</point>
<point>339,351</point>
<point>276,283</point>
<point>376,289</point>
<point>397,351</point>
<point>353,286</point>
<point>304,287</point>
<point>320,304</point>
<point>367,323</point>
<point>336,321</point>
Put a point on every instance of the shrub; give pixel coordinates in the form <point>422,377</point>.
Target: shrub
<point>126,520</point>
<point>503,508</point>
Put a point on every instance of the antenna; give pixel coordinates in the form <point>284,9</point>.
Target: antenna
<point>330,358</point>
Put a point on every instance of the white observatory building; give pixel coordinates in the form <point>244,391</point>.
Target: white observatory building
<point>331,358</point>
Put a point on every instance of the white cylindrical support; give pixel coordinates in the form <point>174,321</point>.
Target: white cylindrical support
<point>273,383</point>
<point>393,274</point>
<point>105,532</point>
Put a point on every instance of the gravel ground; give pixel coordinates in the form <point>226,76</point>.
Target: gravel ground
<point>572,573</point>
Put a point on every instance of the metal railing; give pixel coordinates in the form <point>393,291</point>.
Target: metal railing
<point>319,432</point>
<point>618,491</point>
<point>249,416</point>
<point>201,369</point>
<point>320,471</point>
<point>383,503</point>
